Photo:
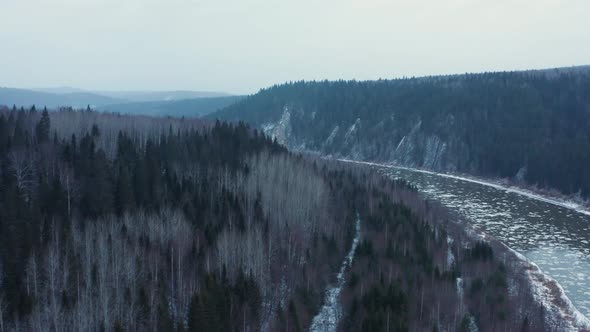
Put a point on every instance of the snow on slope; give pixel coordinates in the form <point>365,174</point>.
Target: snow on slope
<point>327,319</point>
<point>281,130</point>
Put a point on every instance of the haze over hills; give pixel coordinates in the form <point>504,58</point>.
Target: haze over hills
<point>194,107</point>
<point>158,103</point>
<point>138,95</point>
<point>530,126</point>
<point>27,98</point>
<point>60,90</point>
<point>143,96</point>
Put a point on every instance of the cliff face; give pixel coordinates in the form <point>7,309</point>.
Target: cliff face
<point>415,148</point>
<point>530,126</point>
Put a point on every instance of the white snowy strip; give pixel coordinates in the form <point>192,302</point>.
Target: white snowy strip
<point>563,203</point>
<point>327,319</point>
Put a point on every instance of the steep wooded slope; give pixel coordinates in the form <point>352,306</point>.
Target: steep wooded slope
<point>530,126</point>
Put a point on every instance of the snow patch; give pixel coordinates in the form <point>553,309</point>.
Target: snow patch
<point>435,149</point>
<point>329,315</point>
<point>450,255</point>
<point>472,327</point>
<point>404,152</point>
<point>333,134</point>
<point>281,131</point>
<point>351,132</point>
<point>460,294</point>
<point>521,174</point>
<point>400,143</point>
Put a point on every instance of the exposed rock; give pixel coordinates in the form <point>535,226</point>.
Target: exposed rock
<point>281,131</point>
<point>434,152</point>
<point>330,138</point>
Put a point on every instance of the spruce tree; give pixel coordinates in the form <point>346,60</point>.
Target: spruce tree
<point>43,127</point>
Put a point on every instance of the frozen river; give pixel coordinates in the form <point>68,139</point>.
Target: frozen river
<point>555,237</point>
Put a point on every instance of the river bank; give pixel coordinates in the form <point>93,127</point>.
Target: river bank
<point>548,196</point>
<point>553,305</point>
<point>559,312</point>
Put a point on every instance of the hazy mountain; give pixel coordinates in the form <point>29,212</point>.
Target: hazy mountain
<point>140,96</point>
<point>176,103</point>
<point>177,108</point>
<point>26,98</point>
<point>60,90</point>
<point>531,126</point>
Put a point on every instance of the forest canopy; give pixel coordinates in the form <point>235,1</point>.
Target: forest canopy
<point>111,222</point>
<point>529,126</point>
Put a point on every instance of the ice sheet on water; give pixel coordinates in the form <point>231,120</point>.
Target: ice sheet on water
<point>503,218</point>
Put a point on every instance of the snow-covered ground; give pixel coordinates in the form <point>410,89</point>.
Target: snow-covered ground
<point>327,319</point>
<point>281,131</point>
<point>450,255</point>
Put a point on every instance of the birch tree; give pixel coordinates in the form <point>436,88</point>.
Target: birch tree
<point>23,170</point>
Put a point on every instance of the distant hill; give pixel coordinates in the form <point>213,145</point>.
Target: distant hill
<point>138,95</point>
<point>27,98</point>
<point>177,108</point>
<point>141,96</point>
<point>61,90</point>
<point>175,103</point>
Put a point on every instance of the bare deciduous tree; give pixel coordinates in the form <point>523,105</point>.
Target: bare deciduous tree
<point>23,169</point>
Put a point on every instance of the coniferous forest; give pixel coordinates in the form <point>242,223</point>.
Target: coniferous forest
<point>128,223</point>
<point>529,126</point>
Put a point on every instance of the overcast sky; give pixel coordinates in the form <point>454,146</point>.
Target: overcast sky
<point>240,46</point>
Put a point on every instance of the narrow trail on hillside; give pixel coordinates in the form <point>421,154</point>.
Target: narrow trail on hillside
<point>328,317</point>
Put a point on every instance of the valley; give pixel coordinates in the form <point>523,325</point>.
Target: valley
<point>294,166</point>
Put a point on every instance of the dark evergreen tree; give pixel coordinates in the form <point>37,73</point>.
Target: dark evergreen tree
<point>43,127</point>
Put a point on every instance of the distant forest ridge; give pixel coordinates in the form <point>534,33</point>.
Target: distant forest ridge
<point>177,108</point>
<point>529,126</point>
<point>172,103</point>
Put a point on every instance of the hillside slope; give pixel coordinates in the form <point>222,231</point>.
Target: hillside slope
<point>529,126</point>
<point>146,96</point>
